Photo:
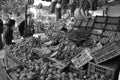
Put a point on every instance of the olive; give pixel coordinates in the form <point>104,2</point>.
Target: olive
<point>42,78</point>
<point>50,75</point>
<point>50,70</point>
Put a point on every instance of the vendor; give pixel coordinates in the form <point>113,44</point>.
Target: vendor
<point>30,27</point>
<point>8,30</point>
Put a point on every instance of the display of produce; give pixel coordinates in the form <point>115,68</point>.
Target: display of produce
<point>90,23</point>
<point>109,33</point>
<point>113,20</point>
<point>101,19</point>
<point>63,46</point>
<point>97,31</point>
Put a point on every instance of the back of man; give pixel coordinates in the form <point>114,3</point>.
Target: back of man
<point>1,31</point>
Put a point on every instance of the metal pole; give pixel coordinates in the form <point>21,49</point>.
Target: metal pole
<point>25,33</point>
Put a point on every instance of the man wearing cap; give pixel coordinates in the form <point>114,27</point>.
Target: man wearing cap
<point>8,30</point>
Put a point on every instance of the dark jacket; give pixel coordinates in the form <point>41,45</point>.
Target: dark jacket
<point>8,32</point>
<point>21,28</point>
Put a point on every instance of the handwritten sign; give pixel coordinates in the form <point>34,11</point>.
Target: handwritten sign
<point>82,58</point>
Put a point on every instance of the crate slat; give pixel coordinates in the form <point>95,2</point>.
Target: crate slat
<point>108,52</point>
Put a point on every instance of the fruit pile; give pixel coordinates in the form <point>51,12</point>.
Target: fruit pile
<point>67,51</point>
<point>25,52</point>
<point>111,27</point>
<point>42,69</point>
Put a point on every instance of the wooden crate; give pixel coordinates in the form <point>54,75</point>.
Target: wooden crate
<point>82,58</point>
<point>109,51</point>
<point>109,69</point>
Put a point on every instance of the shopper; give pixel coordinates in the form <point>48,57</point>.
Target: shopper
<point>29,29</point>
<point>1,31</point>
<point>8,30</point>
<point>58,10</point>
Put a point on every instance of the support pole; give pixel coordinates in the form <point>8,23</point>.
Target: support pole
<point>25,31</point>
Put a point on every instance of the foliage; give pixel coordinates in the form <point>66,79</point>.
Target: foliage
<point>13,6</point>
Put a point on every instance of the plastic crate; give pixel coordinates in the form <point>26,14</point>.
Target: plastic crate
<point>11,72</point>
<point>113,20</point>
<point>109,69</point>
<point>101,70</point>
<point>101,19</point>
<point>108,51</point>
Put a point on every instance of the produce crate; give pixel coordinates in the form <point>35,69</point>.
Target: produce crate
<point>109,70</point>
<point>82,58</point>
<point>13,60</point>
<point>113,20</point>
<point>11,73</point>
<point>108,51</point>
<point>111,27</point>
<point>81,73</point>
<point>100,19</point>
<point>10,63</point>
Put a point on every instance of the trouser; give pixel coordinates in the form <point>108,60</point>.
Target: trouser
<point>1,43</point>
<point>58,13</point>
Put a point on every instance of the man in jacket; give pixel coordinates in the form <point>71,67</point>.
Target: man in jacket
<point>8,30</point>
<point>30,27</point>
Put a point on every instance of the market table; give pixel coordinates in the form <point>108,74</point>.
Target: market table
<point>3,75</point>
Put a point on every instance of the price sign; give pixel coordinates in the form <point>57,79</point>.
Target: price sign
<point>82,58</point>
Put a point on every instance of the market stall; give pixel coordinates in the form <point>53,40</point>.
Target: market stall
<point>76,47</point>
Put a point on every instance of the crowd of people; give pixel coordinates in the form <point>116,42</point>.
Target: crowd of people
<point>7,25</point>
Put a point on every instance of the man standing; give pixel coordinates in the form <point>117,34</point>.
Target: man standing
<point>8,30</point>
<point>29,31</point>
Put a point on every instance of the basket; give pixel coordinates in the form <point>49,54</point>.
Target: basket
<point>109,70</point>
<point>82,58</point>
<point>108,51</point>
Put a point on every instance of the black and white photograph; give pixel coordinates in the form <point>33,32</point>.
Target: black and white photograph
<point>59,39</point>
